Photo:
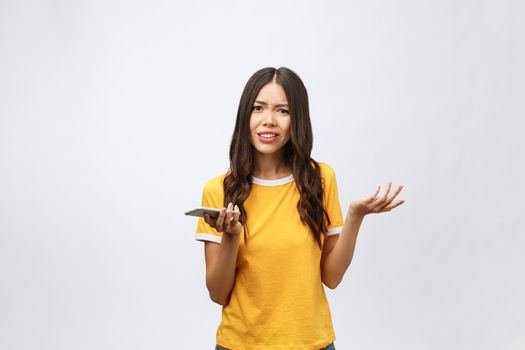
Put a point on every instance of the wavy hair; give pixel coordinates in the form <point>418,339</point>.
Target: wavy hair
<point>306,171</point>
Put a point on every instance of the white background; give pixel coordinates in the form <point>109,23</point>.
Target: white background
<point>113,115</point>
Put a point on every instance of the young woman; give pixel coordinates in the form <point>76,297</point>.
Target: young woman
<point>280,234</point>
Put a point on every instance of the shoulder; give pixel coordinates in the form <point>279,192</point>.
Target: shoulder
<point>327,171</point>
<point>213,192</point>
<point>215,184</point>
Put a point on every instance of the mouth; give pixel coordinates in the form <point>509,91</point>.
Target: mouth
<point>267,136</point>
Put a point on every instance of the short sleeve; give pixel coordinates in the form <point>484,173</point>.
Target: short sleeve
<point>331,201</point>
<point>212,197</point>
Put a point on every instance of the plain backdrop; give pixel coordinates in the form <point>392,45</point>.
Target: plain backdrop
<point>114,114</point>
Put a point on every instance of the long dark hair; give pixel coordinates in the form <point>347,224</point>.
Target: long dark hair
<point>306,171</point>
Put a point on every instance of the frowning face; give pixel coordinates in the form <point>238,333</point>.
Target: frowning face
<point>270,120</point>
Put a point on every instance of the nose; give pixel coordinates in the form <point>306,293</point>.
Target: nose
<point>269,119</point>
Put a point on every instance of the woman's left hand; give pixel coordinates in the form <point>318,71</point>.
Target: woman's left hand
<point>374,204</point>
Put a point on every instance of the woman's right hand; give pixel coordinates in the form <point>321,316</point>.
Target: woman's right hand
<point>227,221</point>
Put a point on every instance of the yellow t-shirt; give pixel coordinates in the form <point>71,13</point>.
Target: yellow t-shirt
<point>278,299</point>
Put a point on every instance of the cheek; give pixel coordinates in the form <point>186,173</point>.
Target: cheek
<point>253,123</point>
<point>288,130</point>
<point>251,133</point>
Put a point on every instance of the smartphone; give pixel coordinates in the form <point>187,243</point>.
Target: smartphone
<point>214,212</point>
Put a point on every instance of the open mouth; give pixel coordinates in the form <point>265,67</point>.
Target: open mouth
<point>267,137</point>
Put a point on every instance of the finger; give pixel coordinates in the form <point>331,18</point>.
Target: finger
<point>393,196</point>
<point>236,218</point>
<point>392,206</point>
<point>385,196</point>
<point>374,195</point>
<point>380,201</point>
<point>235,221</point>
<point>236,214</point>
<point>229,215</point>
<point>220,219</point>
<point>210,220</point>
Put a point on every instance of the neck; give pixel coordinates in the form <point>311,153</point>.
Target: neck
<point>270,166</point>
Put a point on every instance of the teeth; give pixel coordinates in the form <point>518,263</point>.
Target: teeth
<point>268,136</point>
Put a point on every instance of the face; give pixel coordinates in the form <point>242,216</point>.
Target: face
<point>270,119</point>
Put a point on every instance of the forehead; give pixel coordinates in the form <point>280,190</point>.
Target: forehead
<point>272,93</point>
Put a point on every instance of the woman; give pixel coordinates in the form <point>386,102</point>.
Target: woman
<point>280,234</point>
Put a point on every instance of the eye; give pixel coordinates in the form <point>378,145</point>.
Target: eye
<point>256,108</point>
<point>284,111</point>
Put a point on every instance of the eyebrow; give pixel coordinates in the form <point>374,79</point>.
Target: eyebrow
<point>265,104</point>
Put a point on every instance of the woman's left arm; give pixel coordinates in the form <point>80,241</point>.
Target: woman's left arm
<point>338,250</point>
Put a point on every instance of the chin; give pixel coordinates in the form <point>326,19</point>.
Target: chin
<point>268,150</point>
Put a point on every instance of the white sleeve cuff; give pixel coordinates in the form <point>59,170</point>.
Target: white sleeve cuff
<point>334,231</point>
<point>208,237</point>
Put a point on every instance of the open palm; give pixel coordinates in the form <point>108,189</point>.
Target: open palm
<point>376,204</point>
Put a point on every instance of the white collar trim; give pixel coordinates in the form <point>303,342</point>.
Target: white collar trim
<point>276,182</point>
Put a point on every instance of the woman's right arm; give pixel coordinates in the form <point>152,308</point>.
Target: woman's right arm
<point>221,258</point>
